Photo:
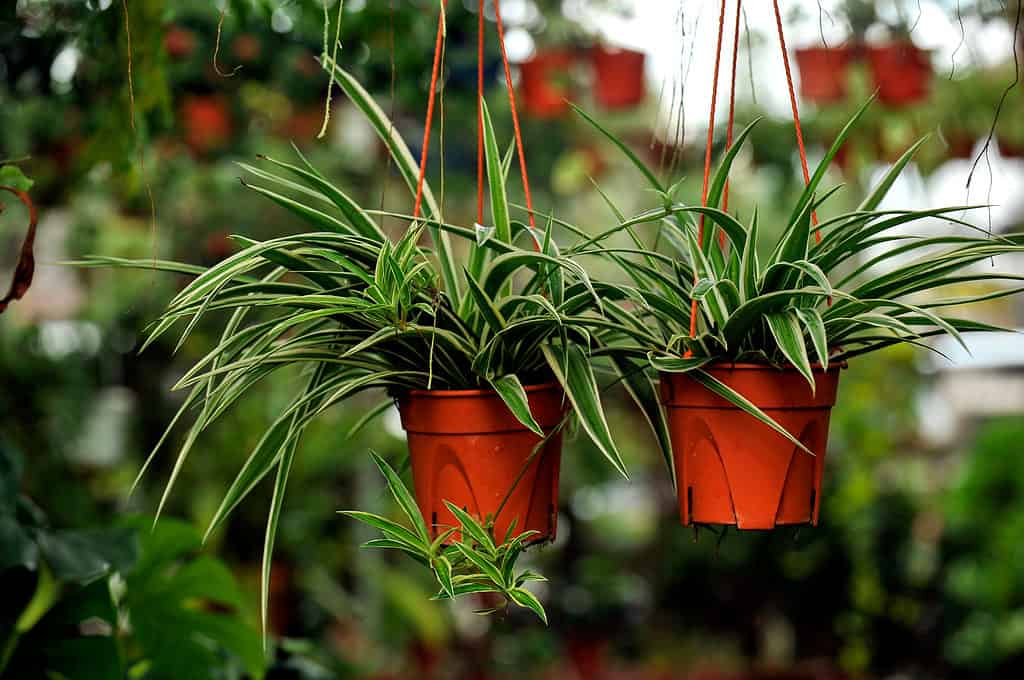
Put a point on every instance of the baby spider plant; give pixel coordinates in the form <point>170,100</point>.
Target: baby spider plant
<point>474,564</point>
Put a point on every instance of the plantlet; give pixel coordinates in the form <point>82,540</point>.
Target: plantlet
<point>473,564</point>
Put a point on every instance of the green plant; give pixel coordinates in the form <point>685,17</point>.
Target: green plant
<point>807,302</point>
<point>358,311</point>
<point>474,564</point>
<point>103,603</point>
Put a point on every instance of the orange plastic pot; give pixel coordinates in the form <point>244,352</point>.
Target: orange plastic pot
<point>823,72</point>
<point>618,77</point>
<point>902,73</point>
<point>545,83</point>
<point>466,447</point>
<point>733,469</point>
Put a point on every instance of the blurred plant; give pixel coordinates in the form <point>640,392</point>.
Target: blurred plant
<point>473,565</point>
<point>103,603</point>
<point>14,182</point>
<point>985,539</point>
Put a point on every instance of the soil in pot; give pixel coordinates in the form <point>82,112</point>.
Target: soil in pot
<point>731,469</point>
<point>546,83</point>
<point>466,447</point>
<point>902,73</point>
<point>823,73</point>
<point>618,77</point>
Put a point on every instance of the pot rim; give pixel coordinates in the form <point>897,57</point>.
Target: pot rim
<point>750,366</point>
<point>485,392</point>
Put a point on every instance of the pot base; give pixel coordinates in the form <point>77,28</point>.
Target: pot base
<point>731,469</point>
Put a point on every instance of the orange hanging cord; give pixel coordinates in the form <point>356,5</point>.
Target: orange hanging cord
<point>515,124</point>
<point>439,43</point>
<point>480,116</point>
<point>438,49</point>
<point>707,160</point>
<point>796,112</point>
<point>732,109</point>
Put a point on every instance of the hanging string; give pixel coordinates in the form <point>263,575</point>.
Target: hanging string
<point>430,109</point>
<point>732,109</point>
<point>796,111</point>
<point>707,159</point>
<point>480,116</point>
<point>515,124</point>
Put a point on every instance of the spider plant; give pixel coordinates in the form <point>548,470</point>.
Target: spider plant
<point>355,310</point>
<point>810,303</point>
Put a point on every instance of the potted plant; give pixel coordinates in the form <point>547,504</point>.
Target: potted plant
<point>747,396</point>
<point>484,360</point>
<point>618,76</point>
<point>547,81</point>
<point>823,72</point>
<point>902,71</point>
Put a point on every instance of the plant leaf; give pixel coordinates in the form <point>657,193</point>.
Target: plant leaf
<point>512,393</point>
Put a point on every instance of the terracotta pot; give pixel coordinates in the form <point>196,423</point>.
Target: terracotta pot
<point>823,73</point>
<point>960,145</point>
<point>618,77</point>
<point>206,122</point>
<point>179,42</point>
<point>1009,149</point>
<point>731,468</point>
<point>902,73</point>
<point>466,447</point>
<point>545,83</point>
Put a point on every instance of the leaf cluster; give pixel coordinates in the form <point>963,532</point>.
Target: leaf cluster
<point>465,560</point>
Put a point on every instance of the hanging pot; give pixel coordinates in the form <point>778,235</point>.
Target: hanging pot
<point>206,122</point>
<point>823,73</point>
<point>1009,148</point>
<point>618,77</point>
<point>546,83</point>
<point>731,468</point>
<point>467,448</point>
<point>902,73</point>
<point>960,145</point>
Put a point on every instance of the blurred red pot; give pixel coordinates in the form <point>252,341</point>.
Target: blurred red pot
<point>902,73</point>
<point>206,122</point>
<point>823,72</point>
<point>247,47</point>
<point>179,42</point>
<point>1009,149</point>
<point>546,83</point>
<point>618,77</point>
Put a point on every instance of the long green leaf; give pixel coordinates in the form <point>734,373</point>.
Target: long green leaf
<point>512,393</point>
<point>573,371</point>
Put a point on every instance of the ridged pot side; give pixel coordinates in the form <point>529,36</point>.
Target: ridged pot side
<point>466,447</point>
<point>732,469</point>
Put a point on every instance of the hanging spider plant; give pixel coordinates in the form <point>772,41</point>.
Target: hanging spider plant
<point>800,313</point>
<point>356,311</point>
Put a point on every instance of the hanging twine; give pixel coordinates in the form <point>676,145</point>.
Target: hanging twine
<point>438,50</point>
<point>730,129</point>
<point>796,111</point>
<point>707,161</point>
